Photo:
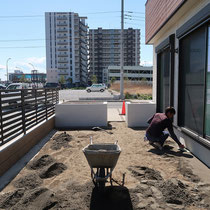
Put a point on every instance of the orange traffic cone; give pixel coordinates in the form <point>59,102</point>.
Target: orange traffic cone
<point>123,108</point>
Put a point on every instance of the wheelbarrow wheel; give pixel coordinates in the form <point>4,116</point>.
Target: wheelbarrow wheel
<point>101,184</point>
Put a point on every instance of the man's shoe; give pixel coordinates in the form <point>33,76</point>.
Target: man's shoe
<point>158,145</point>
<point>145,138</point>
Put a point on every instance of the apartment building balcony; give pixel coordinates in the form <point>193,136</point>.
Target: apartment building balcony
<point>61,18</point>
<point>62,30</point>
<point>62,37</point>
<point>62,49</point>
<point>77,59</point>
<point>84,56</point>
<point>84,41</point>
<point>62,43</point>
<point>64,74</point>
<point>62,61</point>
<point>77,65</point>
<point>62,55</point>
<point>83,63</point>
<point>83,51</point>
<point>61,24</point>
<point>63,67</point>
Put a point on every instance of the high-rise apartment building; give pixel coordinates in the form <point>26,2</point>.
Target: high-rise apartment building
<point>66,47</point>
<point>104,49</point>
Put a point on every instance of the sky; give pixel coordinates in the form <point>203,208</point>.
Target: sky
<point>22,28</point>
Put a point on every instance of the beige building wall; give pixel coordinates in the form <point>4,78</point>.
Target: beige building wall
<point>188,10</point>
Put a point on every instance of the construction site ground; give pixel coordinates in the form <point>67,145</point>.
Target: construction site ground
<point>58,176</point>
<point>133,87</point>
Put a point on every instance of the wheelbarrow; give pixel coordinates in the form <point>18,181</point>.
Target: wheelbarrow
<point>102,159</point>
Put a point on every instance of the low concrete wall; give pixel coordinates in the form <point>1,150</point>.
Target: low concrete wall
<point>137,114</point>
<point>11,152</point>
<point>80,115</point>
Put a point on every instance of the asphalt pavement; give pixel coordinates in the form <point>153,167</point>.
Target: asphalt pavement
<point>75,95</point>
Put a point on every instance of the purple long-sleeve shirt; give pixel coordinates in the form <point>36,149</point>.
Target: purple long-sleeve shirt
<point>158,123</point>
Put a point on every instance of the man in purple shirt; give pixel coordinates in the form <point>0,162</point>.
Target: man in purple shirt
<point>156,133</point>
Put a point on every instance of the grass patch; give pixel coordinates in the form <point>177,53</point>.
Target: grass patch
<point>138,96</point>
<point>78,88</point>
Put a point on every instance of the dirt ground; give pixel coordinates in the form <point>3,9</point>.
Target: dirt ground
<point>58,177</point>
<point>132,87</point>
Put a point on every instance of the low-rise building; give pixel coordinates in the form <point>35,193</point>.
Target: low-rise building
<point>34,76</point>
<point>134,73</point>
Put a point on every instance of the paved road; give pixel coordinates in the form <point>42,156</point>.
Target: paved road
<point>82,95</point>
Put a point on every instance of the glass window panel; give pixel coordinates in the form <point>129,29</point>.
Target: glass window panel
<point>164,77</point>
<point>191,86</point>
<point>207,114</point>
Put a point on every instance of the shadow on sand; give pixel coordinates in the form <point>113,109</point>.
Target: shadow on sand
<point>168,150</point>
<point>111,198</point>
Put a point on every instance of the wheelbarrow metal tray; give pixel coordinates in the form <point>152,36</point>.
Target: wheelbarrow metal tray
<point>102,155</point>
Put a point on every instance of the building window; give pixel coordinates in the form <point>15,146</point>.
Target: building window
<point>192,80</point>
<point>163,75</point>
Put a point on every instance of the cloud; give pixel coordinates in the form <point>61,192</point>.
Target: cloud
<point>2,66</point>
<point>146,63</point>
<point>36,60</point>
<point>25,64</point>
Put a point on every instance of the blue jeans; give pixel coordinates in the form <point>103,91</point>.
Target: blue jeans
<point>161,139</point>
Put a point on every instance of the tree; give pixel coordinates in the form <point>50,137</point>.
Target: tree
<point>113,79</point>
<point>23,79</point>
<point>94,79</point>
<point>69,80</point>
<point>125,78</point>
<point>62,79</point>
<point>144,81</point>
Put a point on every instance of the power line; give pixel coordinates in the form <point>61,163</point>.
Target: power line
<point>22,16</point>
<point>21,40</point>
<point>135,12</point>
<point>134,19</point>
<point>34,16</point>
<point>22,47</point>
<point>65,13</point>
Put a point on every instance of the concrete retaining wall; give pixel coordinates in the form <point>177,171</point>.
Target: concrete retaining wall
<point>137,114</point>
<point>11,152</point>
<point>80,115</point>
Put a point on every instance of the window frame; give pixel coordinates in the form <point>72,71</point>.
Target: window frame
<point>169,42</point>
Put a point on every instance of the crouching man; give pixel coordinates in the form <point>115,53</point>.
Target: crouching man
<point>156,133</point>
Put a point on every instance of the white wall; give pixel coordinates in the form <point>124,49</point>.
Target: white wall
<point>73,115</point>
<point>52,75</point>
<point>137,114</point>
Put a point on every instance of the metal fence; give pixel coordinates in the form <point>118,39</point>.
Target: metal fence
<point>20,110</point>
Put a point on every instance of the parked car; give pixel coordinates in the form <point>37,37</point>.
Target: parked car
<point>2,87</point>
<point>52,85</point>
<point>96,88</point>
<point>15,86</point>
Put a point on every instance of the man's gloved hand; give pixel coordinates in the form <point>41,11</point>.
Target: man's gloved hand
<point>182,147</point>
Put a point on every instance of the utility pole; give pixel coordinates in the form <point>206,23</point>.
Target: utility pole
<point>122,52</point>
<point>7,69</point>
